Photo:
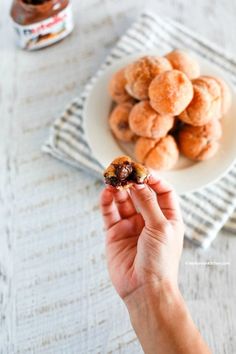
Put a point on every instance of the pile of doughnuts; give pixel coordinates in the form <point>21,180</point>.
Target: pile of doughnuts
<point>165,107</point>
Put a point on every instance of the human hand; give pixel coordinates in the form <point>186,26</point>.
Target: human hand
<point>143,248</point>
<point>143,251</point>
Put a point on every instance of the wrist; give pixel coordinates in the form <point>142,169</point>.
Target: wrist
<point>162,322</point>
<point>156,310</point>
<point>153,297</point>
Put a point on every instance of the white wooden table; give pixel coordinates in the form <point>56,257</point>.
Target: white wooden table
<point>56,296</point>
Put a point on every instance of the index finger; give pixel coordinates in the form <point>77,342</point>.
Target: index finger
<point>109,209</point>
<point>167,198</point>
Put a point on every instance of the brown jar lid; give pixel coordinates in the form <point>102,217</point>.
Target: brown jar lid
<point>27,12</point>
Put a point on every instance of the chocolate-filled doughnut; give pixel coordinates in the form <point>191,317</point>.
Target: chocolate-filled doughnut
<point>206,102</point>
<point>226,96</point>
<point>182,61</point>
<point>117,89</point>
<point>170,92</point>
<point>200,143</point>
<point>145,121</point>
<point>123,172</point>
<point>159,154</point>
<point>140,74</point>
<point>119,122</point>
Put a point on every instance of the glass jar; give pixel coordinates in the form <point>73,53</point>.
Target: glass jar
<point>39,23</point>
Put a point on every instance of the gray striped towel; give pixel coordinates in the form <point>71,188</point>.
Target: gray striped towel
<point>205,211</point>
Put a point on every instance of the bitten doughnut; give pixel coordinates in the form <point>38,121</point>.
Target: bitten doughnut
<point>116,87</point>
<point>226,96</point>
<point>182,61</point>
<point>200,143</point>
<point>170,92</point>
<point>123,173</point>
<point>206,102</point>
<point>140,73</point>
<point>119,122</point>
<point>144,121</point>
<point>159,154</point>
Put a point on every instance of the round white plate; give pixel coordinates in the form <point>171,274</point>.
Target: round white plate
<point>187,176</point>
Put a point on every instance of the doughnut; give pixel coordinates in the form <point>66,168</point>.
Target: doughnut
<point>123,173</point>
<point>159,154</point>
<point>226,96</point>
<point>182,61</point>
<point>200,143</point>
<point>163,107</point>
<point>170,92</point>
<point>116,87</point>
<point>119,122</point>
<point>206,102</point>
<point>140,73</point>
<point>144,121</point>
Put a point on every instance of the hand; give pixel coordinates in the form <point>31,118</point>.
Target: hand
<point>143,247</point>
<point>144,244</point>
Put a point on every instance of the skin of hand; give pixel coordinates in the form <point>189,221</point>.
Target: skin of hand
<point>142,247</point>
<point>144,243</point>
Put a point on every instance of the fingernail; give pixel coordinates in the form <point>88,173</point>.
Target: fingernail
<point>153,179</point>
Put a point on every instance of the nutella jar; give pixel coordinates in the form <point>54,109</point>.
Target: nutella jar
<point>40,23</point>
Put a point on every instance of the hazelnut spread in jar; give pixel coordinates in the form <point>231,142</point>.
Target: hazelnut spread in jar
<point>39,23</point>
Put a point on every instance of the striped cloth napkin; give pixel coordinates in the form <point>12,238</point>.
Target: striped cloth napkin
<point>206,211</point>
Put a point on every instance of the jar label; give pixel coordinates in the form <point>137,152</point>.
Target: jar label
<point>46,32</point>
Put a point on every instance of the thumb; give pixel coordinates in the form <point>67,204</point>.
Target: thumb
<point>145,200</point>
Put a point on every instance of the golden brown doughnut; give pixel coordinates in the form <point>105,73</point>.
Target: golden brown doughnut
<point>159,154</point>
<point>182,61</point>
<point>144,121</point>
<point>226,96</point>
<point>119,122</point>
<point>170,92</point>
<point>200,143</point>
<point>116,87</point>
<point>140,73</point>
<point>206,102</point>
<point>123,173</point>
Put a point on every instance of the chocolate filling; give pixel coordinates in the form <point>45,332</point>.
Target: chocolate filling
<point>125,173</point>
<point>123,125</point>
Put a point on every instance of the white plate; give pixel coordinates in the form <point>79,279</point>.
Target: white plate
<point>187,176</point>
